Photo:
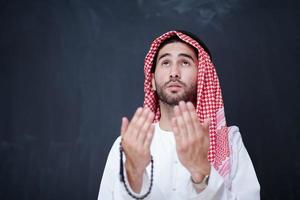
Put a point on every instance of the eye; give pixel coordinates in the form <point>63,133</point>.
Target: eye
<point>165,63</point>
<point>185,63</point>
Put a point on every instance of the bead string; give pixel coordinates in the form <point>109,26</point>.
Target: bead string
<point>122,178</point>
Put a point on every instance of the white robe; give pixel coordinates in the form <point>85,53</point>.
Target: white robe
<point>172,181</point>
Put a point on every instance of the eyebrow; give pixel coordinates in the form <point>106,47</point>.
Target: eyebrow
<point>187,55</point>
<point>162,56</point>
<point>181,54</point>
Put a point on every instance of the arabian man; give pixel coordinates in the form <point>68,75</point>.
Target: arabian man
<point>178,146</point>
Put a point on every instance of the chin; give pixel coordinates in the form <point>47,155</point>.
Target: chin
<point>174,100</point>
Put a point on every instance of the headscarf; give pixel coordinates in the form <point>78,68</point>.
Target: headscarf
<point>209,102</point>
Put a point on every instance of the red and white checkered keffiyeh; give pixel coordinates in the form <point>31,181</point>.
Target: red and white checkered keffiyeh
<point>209,100</point>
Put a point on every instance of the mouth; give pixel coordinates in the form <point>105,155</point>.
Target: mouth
<point>174,87</point>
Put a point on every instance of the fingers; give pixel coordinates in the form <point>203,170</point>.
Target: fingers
<point>124,125</point>
<point>186,115</point>
<point>176,130</point>
<point>145,123</point>
<point>139,126</point>
<point>133,127</point>
<point>193,114</point>
<point>180,122</point>
<point>136,115</point>
<point>149,137</point>
<point>206,124</point>
<point>187,120</point>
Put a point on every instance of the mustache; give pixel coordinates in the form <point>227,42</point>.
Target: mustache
<point>175,80</point>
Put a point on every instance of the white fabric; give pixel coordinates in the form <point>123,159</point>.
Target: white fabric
<point>172,180</point>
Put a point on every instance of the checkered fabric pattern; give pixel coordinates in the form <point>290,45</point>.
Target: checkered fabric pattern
<point>209,97</point>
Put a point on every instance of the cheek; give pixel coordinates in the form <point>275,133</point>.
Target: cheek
<point>161,77</point>
<point>194,75</point>
<point>191,77</point>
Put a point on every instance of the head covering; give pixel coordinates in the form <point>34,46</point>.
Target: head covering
<point>209,102</point>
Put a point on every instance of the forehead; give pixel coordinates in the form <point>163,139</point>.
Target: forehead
<point>176,48</point>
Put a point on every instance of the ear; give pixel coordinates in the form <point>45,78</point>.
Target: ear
<point>153,83</point>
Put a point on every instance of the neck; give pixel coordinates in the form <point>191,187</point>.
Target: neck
<point>166,115</point>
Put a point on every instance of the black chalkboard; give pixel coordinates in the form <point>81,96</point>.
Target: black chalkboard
<point>69,70</point>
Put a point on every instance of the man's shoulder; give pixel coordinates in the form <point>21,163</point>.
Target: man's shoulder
<point>235,137</point>
<point>117,142</point>
<point>116,145</point>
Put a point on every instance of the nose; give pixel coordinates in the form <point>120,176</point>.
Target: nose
<point>174,72</point>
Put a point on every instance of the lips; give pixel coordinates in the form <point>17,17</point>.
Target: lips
<point>174,86</point>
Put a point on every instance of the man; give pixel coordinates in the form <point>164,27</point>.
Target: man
<point>178,145</point>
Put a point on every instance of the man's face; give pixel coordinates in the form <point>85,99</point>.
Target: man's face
<point>175,76</point>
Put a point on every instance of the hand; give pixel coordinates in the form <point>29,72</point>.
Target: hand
<point>192,140</point>
<point>136,140</point>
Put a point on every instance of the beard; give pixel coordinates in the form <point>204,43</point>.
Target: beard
<point>189,93</point>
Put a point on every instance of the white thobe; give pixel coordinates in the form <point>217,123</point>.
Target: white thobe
<point>171,179</point>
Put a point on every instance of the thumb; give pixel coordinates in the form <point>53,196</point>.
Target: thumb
<point>124,125</point>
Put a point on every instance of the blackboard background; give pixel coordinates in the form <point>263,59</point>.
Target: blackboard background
<point>70,69</point>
